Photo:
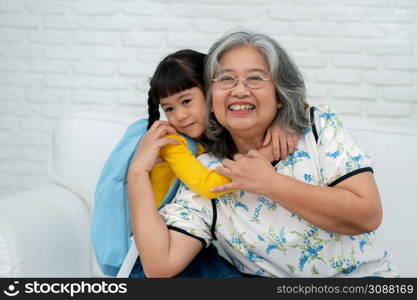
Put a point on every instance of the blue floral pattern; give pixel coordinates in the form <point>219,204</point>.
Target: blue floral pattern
<point>274,240</point>
<point>263,238</point>
<point>238,242</point>
<point>310,246</point>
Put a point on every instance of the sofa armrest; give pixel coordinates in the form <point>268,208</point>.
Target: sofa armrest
<point>44,233</point>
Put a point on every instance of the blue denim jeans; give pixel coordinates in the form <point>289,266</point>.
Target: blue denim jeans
<point>208,263</point>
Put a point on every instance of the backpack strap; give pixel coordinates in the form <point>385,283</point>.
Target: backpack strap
<point>192,145</point>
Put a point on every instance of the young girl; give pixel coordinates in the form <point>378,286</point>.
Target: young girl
<point>177,86</point>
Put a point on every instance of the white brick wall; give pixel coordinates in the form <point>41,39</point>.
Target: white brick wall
<point>62,56</point>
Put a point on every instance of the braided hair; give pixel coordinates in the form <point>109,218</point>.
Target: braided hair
<point>153,111</point>
<point>177,72</point>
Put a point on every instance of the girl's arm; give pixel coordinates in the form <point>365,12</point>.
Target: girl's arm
<point>283,141</point>
<point>190,170</point>
<point>163,252</point>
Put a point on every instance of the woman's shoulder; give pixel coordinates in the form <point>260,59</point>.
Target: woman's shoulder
<point>324,109</point>
<point>326,116</point>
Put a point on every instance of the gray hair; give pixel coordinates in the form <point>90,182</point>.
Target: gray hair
<point>288,81</point>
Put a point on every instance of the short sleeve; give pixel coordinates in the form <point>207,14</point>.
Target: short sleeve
<point>190,214</point>
<point>340,157</point>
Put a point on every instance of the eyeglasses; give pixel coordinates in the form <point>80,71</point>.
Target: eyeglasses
<point>253,81</point>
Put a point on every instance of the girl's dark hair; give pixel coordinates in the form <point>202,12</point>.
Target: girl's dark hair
<point>177,72</point>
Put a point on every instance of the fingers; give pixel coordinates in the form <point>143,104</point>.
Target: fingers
<point>283,146</point>
<point>154,126</point>
<point>253,153</point>
<point>162,124</point>
<point>156,136</point>
<point>267,137</point>
<point>159,159</point>
<point>292,141</point>
<point>228,163</point>
<point>167,141</point>
<point>296,138</point>
<point>162,130</point>
<point>223,188</point>
<point>238,157</point>
<point>224,171</point>
<point>276,147</point>
<point>171,130</point>
<point>291,145</point>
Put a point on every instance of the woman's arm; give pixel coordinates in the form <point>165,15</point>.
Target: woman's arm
<point>163,252</point>
<point>351,207</point>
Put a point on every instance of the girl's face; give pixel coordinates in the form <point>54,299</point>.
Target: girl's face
<point>186,111</point>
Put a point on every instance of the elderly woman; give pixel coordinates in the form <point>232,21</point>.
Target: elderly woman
<point>312,214</point>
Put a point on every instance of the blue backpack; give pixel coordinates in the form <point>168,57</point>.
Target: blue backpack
<point>111,224</point>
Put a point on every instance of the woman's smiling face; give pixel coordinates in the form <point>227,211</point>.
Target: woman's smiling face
<point>240,109</point>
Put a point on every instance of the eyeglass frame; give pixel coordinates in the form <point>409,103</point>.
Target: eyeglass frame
<point>237,80</point>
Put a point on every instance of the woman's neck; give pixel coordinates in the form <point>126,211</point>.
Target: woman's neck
<point>246,142</point>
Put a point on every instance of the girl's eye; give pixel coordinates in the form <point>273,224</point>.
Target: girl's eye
<point>168,109</point>
<point>186,101</point>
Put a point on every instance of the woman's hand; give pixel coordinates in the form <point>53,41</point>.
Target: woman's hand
<point>251,172</point>
<point>148,148</point>
<point>283,140</point>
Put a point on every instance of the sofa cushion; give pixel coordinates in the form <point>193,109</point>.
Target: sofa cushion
<point>44,233</point>
<point>80,146</point>
<point>392,149</point>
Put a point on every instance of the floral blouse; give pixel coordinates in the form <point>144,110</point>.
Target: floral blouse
<point>262,238</point>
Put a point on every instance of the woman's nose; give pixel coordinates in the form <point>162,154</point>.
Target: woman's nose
<point>240,89</point>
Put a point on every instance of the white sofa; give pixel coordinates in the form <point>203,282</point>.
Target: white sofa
<point>44,232</point>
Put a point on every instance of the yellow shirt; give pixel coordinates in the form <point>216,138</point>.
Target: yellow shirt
<point>180,162</point>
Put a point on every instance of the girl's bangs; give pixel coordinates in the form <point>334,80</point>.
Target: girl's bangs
<point>172,79</point>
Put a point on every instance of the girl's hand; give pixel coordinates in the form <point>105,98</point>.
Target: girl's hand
<point>251,172</point>
<point>283,140</point>
<point>148,148</point>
